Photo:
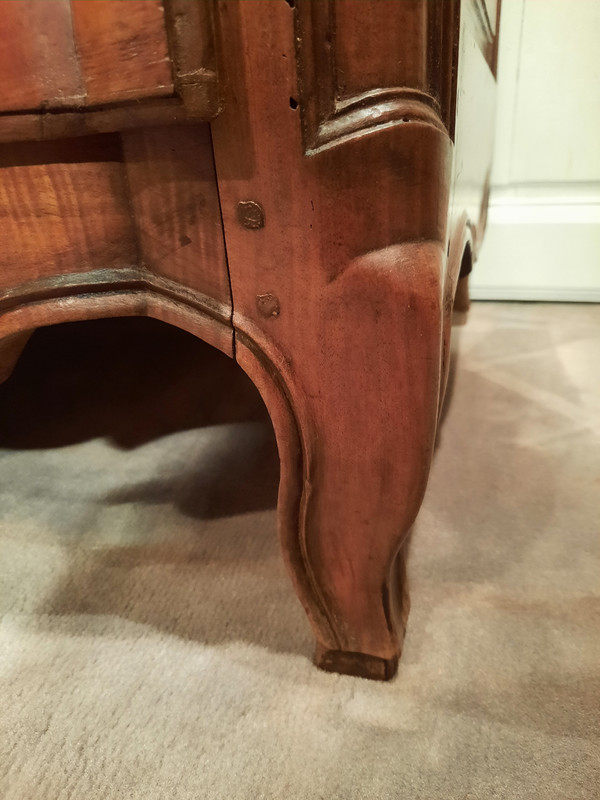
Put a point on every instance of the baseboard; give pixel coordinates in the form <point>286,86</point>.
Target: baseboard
<point>541,247</point>
<point>555,294</point>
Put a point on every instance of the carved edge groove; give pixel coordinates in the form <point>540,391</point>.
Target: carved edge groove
<point>192,39</point>
<point>295,455</point>
<point>196,99</point>
<point>378,109</point>
<point>114,293</point>
<point>105,282</point>
<point>136,292</point>
<point>328,120</point>
<point>293,512</point>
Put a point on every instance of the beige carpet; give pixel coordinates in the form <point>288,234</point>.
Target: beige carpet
<point>151,645</point>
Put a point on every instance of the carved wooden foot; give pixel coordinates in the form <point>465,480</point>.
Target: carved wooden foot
<point>355,409</point>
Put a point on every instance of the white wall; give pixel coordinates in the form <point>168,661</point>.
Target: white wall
<point>543,237</point>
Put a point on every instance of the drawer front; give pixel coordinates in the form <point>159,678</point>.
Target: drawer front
<point>75,66</point>
<point>112,207</point>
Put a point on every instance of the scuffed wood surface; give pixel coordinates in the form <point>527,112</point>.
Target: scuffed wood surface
<point>122,49</point>
<point>175,202</point>
<point>353,250</point>
<point>56,53</point>
<point>76,67</point>
<point>64,207</point>
<point>38,63</point>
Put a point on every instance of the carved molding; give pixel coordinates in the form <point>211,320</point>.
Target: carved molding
<point>420,87</point>
<point>105,283</point>
<point>270,372</point>
<point>192,36</point>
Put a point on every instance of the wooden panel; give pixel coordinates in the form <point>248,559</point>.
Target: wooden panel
<point>122,48</point>
<point>176,205</point>
<point>106,65</point>
<point>358,70</point>
<point>37,55</point>
<point>364,59</point>
<point>474,126</point>
<point>63,208</point>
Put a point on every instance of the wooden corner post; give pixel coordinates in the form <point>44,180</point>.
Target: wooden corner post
<point>333,162</point>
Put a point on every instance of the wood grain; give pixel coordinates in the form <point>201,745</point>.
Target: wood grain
<point>353,249</point>
<point>340,265</point>
<point>152,113</point>
<point>191,27</point>
<point>63,208</point>
<point>176,206</point>
<point>38,62</point>
<point>105,65</point>
<point>365,42</point>
<point>356,70</point>
<point>122,49</point>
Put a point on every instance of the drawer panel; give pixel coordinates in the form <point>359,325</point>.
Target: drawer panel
<point>64,208</point>
<point>122,49</point>
<point>71,67</point>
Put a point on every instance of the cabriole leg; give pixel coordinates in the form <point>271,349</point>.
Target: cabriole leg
<point>366,416</point>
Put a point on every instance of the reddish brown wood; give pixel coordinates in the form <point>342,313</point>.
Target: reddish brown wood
<point>21,316</point>
<point>357,340</point>
<point>175,201</point>
<point>389,27</point>
<point>37,55</point>
<point>191,27</point>
<point>64,208</point>
<point>154,113</point>
<point>75,53</point>
<point>352,201</point>
<point>104,65</point>
<point>122,54</point>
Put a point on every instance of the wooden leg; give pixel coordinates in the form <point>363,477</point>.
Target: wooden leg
<point>365,414</point>
<point>461,299</point>
<point>394,600</point>
<point>11,348</point>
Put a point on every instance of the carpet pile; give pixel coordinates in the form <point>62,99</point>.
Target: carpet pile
<point>151,645</point>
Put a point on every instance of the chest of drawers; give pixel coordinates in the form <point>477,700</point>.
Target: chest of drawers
<point>300,184</point>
